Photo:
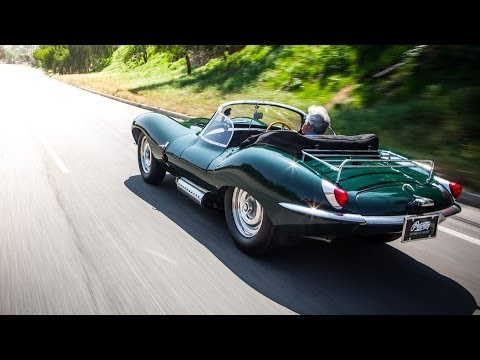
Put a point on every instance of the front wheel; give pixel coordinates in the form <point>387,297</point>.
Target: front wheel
<point>150,168</point>
<point>251,229</point>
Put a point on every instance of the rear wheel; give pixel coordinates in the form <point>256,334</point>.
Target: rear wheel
<point>151,170</point>
<point>251,229</point>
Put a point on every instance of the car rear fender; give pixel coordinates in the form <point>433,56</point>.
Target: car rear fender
<point>271,176</point>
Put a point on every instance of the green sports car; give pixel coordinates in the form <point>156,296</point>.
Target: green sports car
<point>273,182</point>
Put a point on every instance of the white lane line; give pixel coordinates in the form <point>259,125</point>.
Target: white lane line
<point>459,235</point>
<point>162,256</point>
<point>53,154</point>
<point>123,255</point>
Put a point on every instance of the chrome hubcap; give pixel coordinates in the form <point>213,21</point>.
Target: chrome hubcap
<point>145,155</point>
<point>247,213</point>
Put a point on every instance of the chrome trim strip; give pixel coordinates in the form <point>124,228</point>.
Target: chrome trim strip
<point>452,210</point>
<point>366,220</point>
<point>260,102</point>
<point>384,220</point>
<point>305,210</point>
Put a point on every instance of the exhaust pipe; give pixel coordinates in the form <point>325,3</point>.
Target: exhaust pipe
<point>327,239</point>
<point>193,191</point>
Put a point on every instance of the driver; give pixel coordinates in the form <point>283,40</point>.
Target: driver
<point>317,121</point>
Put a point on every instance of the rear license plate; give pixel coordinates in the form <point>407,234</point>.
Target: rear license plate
<point>420,227</point>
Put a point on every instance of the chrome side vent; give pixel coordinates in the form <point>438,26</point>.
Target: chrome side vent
<point>193,191</point>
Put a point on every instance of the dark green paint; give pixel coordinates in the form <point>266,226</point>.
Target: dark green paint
<point>160,128</point>
<point>273,176</point>
<point>202,153</point>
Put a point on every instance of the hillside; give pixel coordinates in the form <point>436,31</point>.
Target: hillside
<point>420,100</point>
<point>269,72</point>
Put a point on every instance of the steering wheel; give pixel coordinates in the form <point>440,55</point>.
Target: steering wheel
<point>278,122</point>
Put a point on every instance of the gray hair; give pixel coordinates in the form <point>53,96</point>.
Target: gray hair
<point>318,117</point>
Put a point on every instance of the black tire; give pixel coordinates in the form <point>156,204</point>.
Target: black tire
<point>151,171</point>
<point>261,239</point>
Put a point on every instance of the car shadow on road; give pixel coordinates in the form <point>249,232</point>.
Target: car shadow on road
<point>314,277</point>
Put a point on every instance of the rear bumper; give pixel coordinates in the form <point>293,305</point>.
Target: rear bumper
<point>357,219</point>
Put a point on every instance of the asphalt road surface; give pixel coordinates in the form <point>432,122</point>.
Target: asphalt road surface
<point>81,233</point>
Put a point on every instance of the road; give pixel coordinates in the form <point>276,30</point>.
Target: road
<point>81,233</point>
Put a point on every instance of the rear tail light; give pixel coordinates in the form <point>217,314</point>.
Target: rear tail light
<point>336,197</point>
<point>341,196</point>
<point>455,189</point>
<point>452,187</point>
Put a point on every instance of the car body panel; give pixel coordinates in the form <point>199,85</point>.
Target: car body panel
<point>177,146</point>
<point>202,153</point>
<point>159,129</point>
<point>288,187</point>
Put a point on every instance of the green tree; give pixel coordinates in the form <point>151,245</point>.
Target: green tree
<point>137,54</point>
<point>195,55</point>
<point>177,52</point>
<point>52,57</point>
<point>74,58</point>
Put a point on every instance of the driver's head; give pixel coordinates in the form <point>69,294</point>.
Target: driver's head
<point>227,111</point>
<point>317,121</point>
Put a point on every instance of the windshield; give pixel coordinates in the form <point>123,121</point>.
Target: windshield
<point>219,131</point>
<point>262,115</point>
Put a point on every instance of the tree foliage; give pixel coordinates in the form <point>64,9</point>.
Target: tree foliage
<point>68,59</point>
<point>176,52</point>
<point>136,54</point>
<point>196,55</point>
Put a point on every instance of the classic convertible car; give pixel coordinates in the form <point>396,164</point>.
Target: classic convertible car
<point>271,181</point>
